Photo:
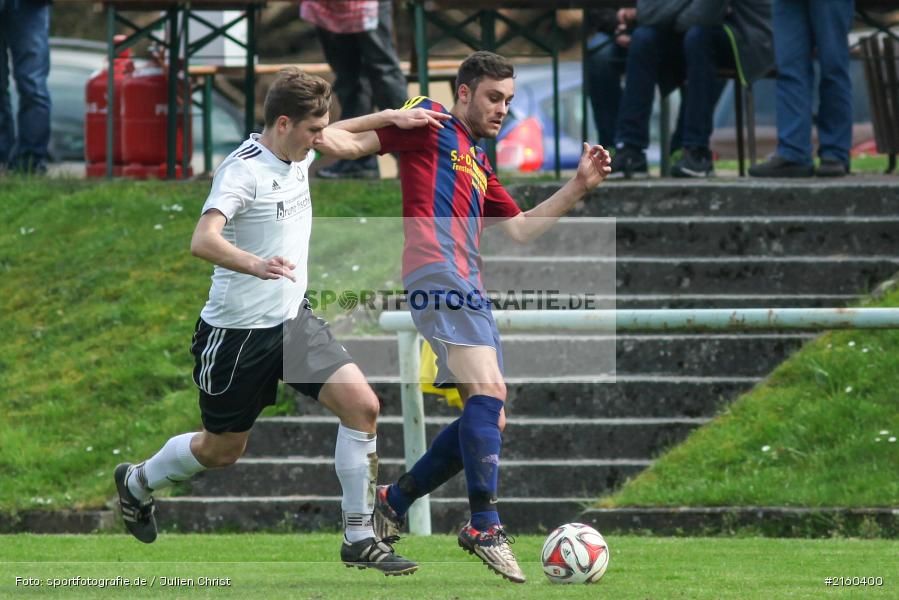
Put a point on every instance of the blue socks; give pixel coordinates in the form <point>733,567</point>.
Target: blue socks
<point>439,463</point>
<point>472,441</point>
<point>480,441</point>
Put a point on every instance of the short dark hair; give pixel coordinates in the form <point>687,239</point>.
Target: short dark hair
<point>483,64</point>
<point>296,95</point>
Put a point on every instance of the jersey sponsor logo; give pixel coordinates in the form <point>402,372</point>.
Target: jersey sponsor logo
<point>466,162</point>
<point>275,185</point>
<point>291,208</point>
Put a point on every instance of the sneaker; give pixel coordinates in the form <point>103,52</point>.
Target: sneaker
<point>777,166</point>
<point>386,522</point>
<point>694,162</point>
<point>629,163</point>
<point>372,553</point>
<point>492,547</point>
<point>831,167</point>
<point>138,516</point>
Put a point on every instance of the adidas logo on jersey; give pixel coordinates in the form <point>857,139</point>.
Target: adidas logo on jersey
<point>275,185</point>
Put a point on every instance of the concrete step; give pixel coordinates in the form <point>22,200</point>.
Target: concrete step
<point>646,396</point>
<point>322,513</point>
<point>577,356</point>
<point>316,476</point>
<point>706,236</point>
<point>854,196</point>
<point>695,275</point>
<point>524,437</point>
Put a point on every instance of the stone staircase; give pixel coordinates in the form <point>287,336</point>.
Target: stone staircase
<point>570,437</point>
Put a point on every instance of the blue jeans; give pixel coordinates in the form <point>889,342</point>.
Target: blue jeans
<point>800,27</point>
<point>24,35</point>
<point>667,59</point>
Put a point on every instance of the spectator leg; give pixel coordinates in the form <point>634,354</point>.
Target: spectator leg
<point>343,54</point>
<point>605,66</point>
<point>706,49</point>
<point>830,22</point>
<point>793,55</point>
<point>648,46</point>
<point>380,63</point>
<point>29,47</point>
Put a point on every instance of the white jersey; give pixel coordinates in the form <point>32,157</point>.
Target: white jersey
<point>269,211</point>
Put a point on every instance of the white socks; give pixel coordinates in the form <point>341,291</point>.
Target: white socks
<point>174,462</point>
<point>356,463</point>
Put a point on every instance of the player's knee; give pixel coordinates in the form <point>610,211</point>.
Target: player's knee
<point>496,390</point>
<point>213,456</point>
<point>229,455</point>
<point>369,407</point>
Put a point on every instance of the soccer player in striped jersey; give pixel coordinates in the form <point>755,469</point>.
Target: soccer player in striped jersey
<point>256,327</point>
<point>450,192</point>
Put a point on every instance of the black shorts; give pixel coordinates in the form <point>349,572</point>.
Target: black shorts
<point>237,370</point>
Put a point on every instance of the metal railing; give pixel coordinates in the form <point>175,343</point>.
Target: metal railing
<point>682,320</point>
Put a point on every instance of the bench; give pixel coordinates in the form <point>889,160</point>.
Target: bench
<point>204,75</point>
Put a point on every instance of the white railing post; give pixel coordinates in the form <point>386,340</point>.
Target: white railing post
<point>413,424</point>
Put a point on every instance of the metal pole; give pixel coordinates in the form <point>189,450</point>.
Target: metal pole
<point>186,103</point>
<point>557,163</point>
<point>421,48</point>
<point>488,42</point>
<point>250,74</point>
<point>585,54</point>
<point>695,320</point>
<point>207,123</point>
<point>110,87</point>
<point>665,136</point>
<point>413,423</point>
<point>172,116</point>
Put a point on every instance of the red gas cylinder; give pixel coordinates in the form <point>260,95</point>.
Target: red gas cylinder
<point>144,123</point>
<point>95,96</point>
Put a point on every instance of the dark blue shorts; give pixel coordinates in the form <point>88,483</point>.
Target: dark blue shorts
<point>447,309</point>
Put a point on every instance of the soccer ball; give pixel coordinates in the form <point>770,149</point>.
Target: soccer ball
<point>575,553</point>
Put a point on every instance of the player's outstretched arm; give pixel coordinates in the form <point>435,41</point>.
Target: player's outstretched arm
<point>592,170</point>
<point>355,137</point>
<point>209,244</point>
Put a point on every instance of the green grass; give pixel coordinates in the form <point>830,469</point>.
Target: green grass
<point>306,566</point>
<point>98,296</point>
<point>815,433</point>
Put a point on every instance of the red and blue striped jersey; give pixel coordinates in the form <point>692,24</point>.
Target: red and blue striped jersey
<point>449,188</point>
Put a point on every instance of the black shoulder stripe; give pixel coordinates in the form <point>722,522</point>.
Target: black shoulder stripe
<point>248,155</point>
<point>246,150</point>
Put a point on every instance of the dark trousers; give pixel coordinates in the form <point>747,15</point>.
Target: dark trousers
<point>24,38</point>
<point>606,61</point>
<point>366,66</point>
<point>663,58</point>
<point>800,28</point>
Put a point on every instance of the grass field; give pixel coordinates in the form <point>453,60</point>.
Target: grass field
<point>305,566</point>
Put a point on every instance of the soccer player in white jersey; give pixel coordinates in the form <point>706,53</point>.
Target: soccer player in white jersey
<point>256,325</point>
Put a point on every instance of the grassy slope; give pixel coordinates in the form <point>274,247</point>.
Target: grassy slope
<point>99,295</point>
<point>817,432</point>
<point>305,566</point>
